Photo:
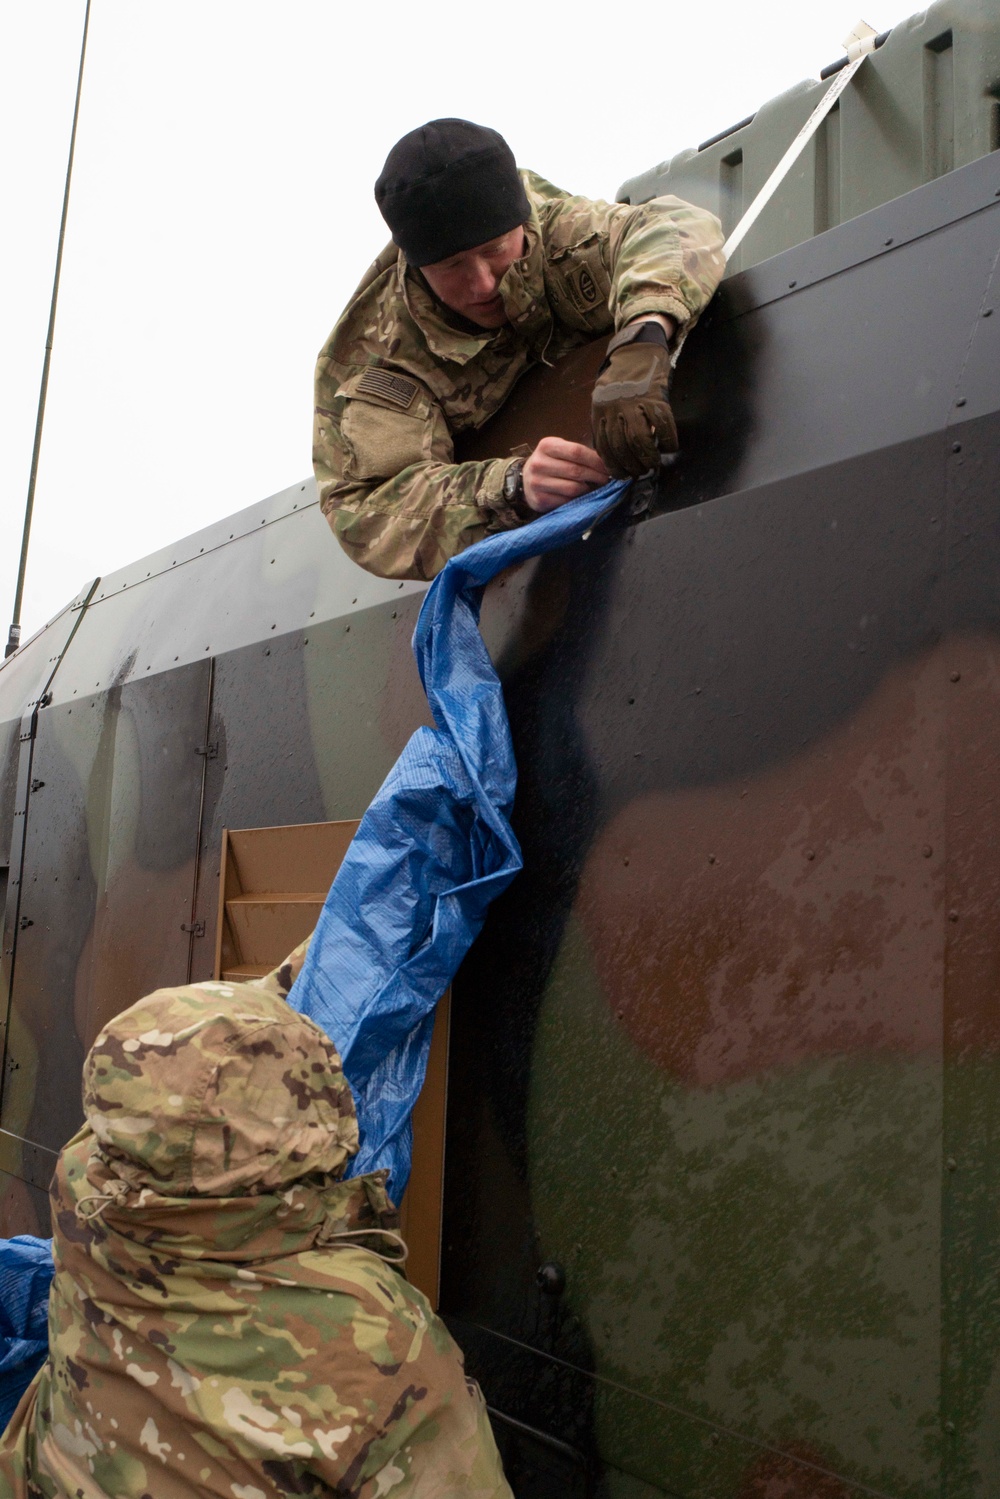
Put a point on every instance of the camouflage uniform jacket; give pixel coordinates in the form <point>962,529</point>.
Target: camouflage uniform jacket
<point>400,376</point>
<point>223,1320</point>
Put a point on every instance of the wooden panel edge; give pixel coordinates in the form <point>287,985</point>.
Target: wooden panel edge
<point>421,1216</point>
<point>221,915</point>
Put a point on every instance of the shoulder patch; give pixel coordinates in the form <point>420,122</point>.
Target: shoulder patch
<point>582,288</point>
<point>395,388</point>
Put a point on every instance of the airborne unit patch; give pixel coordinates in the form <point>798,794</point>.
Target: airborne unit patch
<point>583,289</point>
<point>588,290</point>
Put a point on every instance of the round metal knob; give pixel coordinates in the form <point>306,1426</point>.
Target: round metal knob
<point>551,1279</point>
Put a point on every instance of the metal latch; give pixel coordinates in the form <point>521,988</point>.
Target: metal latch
<point>195,928</point>
<point>210,751</point>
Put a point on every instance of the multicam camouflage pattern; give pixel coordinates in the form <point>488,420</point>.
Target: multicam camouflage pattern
<point>225,1317</point>
<point>280,980</point>
<point>383,443</point>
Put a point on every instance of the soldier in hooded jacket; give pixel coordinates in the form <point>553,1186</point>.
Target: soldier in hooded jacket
<point>490,272</point>
<point>227,1317</point>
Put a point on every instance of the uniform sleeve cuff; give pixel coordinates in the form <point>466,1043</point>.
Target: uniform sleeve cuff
<point>500,514</point>
<point>665,303</point>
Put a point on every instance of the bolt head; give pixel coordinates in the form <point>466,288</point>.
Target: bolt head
<point>551,1279</point>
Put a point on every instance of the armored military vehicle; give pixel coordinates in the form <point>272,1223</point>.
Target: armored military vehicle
<point>710,1157</point>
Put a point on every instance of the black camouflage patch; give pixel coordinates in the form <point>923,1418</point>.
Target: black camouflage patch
<point>394,388</point>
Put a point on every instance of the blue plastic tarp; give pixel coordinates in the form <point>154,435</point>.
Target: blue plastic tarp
<point>433,850</point>
<point>25,1277</point>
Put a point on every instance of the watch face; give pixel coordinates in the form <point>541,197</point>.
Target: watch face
<point>512,482</point>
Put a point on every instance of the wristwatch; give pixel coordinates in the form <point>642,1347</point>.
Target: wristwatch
<point>513,483</point>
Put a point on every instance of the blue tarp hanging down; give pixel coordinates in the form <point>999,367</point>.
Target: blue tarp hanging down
<point>25,1276</point>
<point>433,850</point>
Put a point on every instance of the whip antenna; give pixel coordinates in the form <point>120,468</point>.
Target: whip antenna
<point>14,635</point>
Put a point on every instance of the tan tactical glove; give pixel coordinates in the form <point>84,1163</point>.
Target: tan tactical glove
<point>630,412</point>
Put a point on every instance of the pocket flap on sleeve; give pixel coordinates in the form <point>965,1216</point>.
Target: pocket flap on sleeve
<point>387,387</point>
<point>385,424</point>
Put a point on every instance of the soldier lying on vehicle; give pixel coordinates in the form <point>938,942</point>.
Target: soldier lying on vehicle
<point>492,271</point>
<point>225,1318</point>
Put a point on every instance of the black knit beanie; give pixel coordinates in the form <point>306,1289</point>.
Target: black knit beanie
<point>447,186</point>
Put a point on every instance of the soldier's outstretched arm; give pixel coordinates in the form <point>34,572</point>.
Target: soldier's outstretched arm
<point>664,261</point>
<point>666,257</point>
<point>663,257</point>
<point>397,501</point>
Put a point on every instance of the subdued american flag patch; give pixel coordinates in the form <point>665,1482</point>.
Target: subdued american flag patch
<point>395,388</point>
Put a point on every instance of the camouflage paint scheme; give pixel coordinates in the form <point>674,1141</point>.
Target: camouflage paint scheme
<point>398,379</point>
<point>746,1101</point>
<point>225,1316</point>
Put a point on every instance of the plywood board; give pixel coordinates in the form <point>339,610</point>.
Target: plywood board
<point>302,857</point>
<point>262,925</point>
<point>273,884</point>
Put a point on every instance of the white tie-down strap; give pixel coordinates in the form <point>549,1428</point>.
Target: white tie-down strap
<point>858,44</point>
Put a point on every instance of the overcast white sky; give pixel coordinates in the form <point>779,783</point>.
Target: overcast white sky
<point>222,213</point>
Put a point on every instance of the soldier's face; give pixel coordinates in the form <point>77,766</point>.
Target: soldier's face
<point>469,283</point>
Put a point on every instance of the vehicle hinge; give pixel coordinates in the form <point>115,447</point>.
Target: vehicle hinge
<point>210,751</point>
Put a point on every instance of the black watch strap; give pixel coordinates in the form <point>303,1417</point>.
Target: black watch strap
<point>513,482</point>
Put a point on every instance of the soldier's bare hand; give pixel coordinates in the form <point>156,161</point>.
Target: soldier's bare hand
<point>558,471</point>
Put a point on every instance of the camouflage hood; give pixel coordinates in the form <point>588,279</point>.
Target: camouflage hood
<point>223,1320</point>
<point>217,1090</point>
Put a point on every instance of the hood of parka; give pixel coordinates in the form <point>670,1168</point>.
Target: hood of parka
<point>217,1090</point>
